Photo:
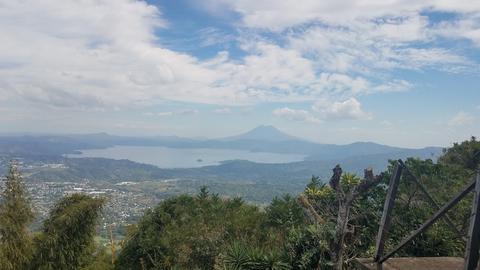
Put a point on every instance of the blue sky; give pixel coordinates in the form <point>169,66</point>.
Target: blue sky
<point>404,73</point>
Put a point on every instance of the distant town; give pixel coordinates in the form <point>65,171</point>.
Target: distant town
<point>123,207</point>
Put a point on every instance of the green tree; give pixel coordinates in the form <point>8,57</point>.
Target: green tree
<point>15,215</point>
<point>465,154</point>
<point>209,232</point>
<point>412,208</point>
<point>66,240</point>
<point>100,261</point>
<point>342,205</point>
<point>285,212</point>
<point>308,247</point>
<point>190,232</point>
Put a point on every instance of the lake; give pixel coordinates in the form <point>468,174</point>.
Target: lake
<point>165,157</point>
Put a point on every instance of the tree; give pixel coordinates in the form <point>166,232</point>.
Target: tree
<point>100,261</point>
<point>66,241</point>
<point>465,154</point>
<point>15,215</point>
<point>285,212</point>
<point>334,204</point>
<point>347,188</point>
<point>190,232</point>
<point>308,247</point>
<point>412,208</point>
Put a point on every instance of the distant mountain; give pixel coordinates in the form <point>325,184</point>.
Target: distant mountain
<point>333,151</point>
<point>107,140</point>
<point>254,181</point>
<point>258,182</point>
<point>263,133</point>
<point>260,139</point>
<point>24,145</point>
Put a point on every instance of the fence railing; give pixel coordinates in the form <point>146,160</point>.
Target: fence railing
<point>473,236</point>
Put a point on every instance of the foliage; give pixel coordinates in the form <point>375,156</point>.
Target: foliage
<point>412,208</point>
<point>240,256</point>
<point>316,189</point>
<point>66,240</point>
<point>99,261</point>
<point>206,231</point>
<point>67,236</point>
<point>285,212</point>
<point>349,180</point>
<point>190,232</point>
<point>465,154</point>
<point>308,247</point>
<point>15,215</point>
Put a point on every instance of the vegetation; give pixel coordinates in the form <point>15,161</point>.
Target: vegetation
<point>66,239</point>
<point>324,227</point>
<point>191,232</point>
<point>15,215</point>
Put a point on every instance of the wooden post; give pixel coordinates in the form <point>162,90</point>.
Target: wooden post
<point>387,211</point>
<point>432,220</point>
<point>473,244</point>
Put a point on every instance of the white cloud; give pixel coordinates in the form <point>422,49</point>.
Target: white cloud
<point>162,114</point>
<point>96,54</point>
<point>209,36</point>
<point>365,37</point>
<point>393,86</point>
<point>370,48</point>
<point>386,123</point>
<point>173,113</point>
<point>296,115</point>
<point>326,110</point>
<point>159,114</point>
<point>268,73</point>
<point>277,15</point>
<point>349,109</point>
<point>224,110</point>
<point>467,27</point>
<point>341,83</point>
<point>91,53</point>
<point>188,112</point>
<point>461,119</point>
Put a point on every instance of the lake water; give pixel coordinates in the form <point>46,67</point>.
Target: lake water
<point>165,157</point>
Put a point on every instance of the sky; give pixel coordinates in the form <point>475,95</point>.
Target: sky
<point>403,73</point>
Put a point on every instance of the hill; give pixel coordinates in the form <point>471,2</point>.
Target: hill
<point>263,133</point>
<point>259,139</point>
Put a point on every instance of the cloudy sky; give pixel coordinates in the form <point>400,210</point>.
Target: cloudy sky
<point>404,73</point>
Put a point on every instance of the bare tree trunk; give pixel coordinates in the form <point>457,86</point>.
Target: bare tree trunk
<point>340,232</point>
<point>345,202</point>
<point>310,211</point>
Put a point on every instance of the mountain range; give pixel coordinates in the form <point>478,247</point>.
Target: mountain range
<point>260,139</point>
<point>254,181</point>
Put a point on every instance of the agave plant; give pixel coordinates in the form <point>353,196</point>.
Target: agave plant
<point>242,257</point>
<point>237,257</point>
<point>349,180</point>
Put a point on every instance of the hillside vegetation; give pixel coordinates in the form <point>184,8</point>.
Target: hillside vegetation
<point>324,227</point>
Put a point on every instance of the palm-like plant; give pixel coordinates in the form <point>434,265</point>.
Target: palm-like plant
<point>242,257</point>
<point>349,180</point>
<point>237,257</point>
